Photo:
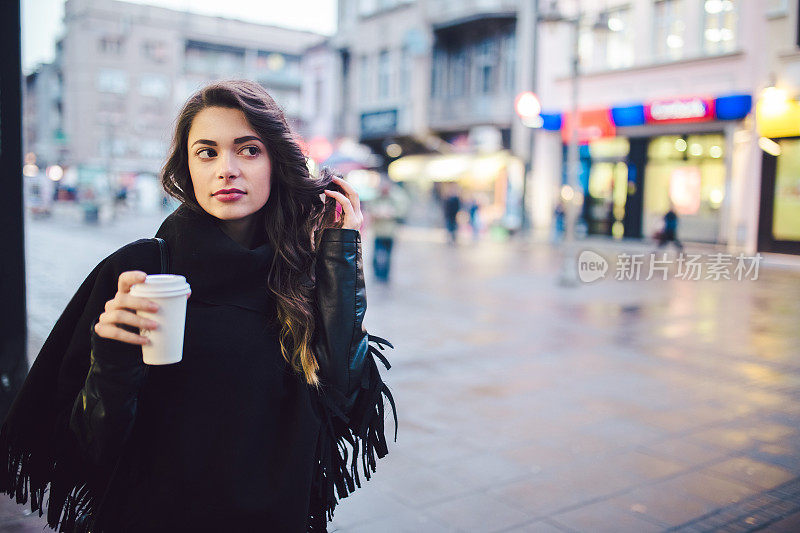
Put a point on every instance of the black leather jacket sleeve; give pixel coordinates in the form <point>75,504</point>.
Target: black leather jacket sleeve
<point>105,409</point>
<point>342,343</point>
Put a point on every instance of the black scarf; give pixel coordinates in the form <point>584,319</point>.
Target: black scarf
<point>41,451</point>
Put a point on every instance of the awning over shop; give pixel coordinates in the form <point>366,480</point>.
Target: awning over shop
<point>597,123</point>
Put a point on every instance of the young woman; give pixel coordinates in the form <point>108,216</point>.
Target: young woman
<point>277,393</point>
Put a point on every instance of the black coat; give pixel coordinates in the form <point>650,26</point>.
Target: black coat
<point>229,437</point>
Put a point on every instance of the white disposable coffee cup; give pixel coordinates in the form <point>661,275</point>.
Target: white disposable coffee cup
<point>170,292</point>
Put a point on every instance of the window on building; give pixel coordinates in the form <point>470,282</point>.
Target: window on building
<point>110,44</point>
<point>155,85</point>
<point>607,41</point>
<point>364,76</point>
<point>618,38</point>
<point>110,80</point>
<point>668,29</point>
<point>719,28</point>
<point>459,73</point>
<point>509,62</point>
<point>405,71</point>
<point>384,74</point>
<point>439,74</point>
<point>486,65</point>
<point>214,59</point>
<point>155,51</point>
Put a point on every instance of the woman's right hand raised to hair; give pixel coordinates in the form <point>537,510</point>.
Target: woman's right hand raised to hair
<point>121,311</point>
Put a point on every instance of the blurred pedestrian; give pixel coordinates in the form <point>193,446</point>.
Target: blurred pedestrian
<point>473,209</point>
<point>558,221</point>
<point>669,233</point>
<point>386,212</point>
<point>452,206</point>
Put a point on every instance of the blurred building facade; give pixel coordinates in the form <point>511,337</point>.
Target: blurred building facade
<point>429,86</point>
<point>123,70</point>
<point>666,93</point>
<point>43,132</point>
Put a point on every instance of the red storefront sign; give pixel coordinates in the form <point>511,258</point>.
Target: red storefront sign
<point>671,110</point>
<point>592,124</point>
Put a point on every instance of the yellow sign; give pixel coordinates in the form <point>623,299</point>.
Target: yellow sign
<point>777,115</point>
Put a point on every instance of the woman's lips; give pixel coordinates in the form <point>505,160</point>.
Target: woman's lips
<point>228,196</point>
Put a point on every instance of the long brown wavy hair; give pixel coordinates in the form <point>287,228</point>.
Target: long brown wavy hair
<point>293,217</point>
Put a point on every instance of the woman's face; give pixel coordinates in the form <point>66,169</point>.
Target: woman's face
<point>226,153</point>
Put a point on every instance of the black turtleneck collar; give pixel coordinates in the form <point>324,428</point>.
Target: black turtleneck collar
<point>218,269</point>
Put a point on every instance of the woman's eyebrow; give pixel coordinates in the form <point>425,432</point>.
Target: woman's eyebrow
<point>238,140</point>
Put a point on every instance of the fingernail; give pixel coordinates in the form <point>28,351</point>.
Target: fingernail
<point>154,307</point>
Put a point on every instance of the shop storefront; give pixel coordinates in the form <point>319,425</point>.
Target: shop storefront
<point>493,180</point>
<point>639,159</point>
<point>778,120</point>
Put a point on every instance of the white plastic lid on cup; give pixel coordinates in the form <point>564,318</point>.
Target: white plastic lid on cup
<point>161,285</point>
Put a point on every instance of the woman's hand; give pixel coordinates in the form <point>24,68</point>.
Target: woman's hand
<point>121,310</point>
<point>351,206</point>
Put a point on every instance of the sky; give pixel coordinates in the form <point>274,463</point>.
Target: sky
<point>42,19</point>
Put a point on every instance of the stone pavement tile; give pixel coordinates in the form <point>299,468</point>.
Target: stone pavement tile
<point>623,432</point>
<point>366,503</point>
<point>423,486</point>
<point>661,505</point>
<point>432,449</point>
<point>543,495</point>
<point>478,512</point>
<point>752,472</point>
<point>545,458</point>
<point>710,487</point>
<point>790,524</point>
<point>602,517</point>
<point>484,470</point>
<point>785,455</point>
<point>14,517</point>
<point>538,526</point>
<point>683,498</point>
<point>685,451</point>
<point>644,466</point>
<point>407,521</point>
<point>731,438</point>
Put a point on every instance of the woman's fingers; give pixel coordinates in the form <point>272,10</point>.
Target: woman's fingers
<point>130,278</point>
<point>110,331</point>
<point>347,206</point>
<point>120,312</point>
<point>121,316</point>
<point>128,301</point>
<point>351,204</point>
<point>352,195</point>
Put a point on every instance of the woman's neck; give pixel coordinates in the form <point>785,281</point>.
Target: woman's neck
<point>242,231</point>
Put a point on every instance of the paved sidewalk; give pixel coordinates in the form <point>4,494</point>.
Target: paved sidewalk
<point>526,406</point>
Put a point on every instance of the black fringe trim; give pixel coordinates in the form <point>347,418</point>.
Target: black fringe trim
<point>72,499</point>
<point>363,431</point>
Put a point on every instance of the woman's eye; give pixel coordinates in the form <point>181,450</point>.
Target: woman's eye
<point>211,152</point>
<point>255,150</point>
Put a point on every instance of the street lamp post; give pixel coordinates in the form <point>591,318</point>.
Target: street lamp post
<point>568,275</point>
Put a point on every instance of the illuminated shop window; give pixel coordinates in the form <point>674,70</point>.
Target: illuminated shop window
<point>786,204</point>
<point>688,171</point>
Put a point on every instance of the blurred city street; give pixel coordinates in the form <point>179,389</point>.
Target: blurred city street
<point>527,406</point>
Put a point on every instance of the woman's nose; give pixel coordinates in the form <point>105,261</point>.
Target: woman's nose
<point>228,166</point>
